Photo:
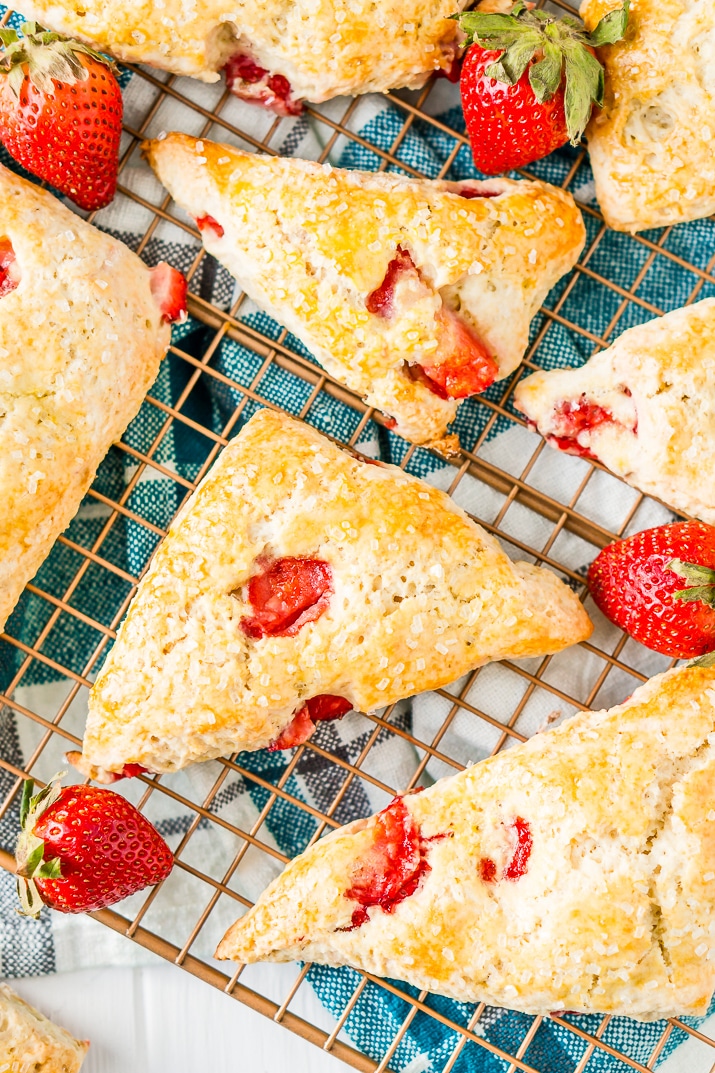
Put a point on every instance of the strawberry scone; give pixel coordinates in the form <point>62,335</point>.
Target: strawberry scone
<point>413,293</point>
<point>573,872</point>
<point>274,52</point>
<point>29,1041</point>
<point>651,146</point>
<point>84,325</point>
<point>298,582</point>
<point>645,407</point>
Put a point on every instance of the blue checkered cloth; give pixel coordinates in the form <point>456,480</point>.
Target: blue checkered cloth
<point>29,948</point>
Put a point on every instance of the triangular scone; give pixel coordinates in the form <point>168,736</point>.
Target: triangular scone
<point>652,146</point>
<point>573,872</point>
<point>645,407</point>
<point>83,328</point>
<point>275,52</point>
<point>388,589</point>
<point>413,293</point>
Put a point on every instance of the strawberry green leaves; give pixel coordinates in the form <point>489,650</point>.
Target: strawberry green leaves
<point>44,55</point>
<point>699,582</point>
<point>561,48</point>
<point>612,26</point>
<point>29,854</point>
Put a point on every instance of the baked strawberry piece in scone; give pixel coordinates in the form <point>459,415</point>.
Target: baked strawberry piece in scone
<point>415,294</point>
<point>84,325</point>
<point>645,407</point>
<point>297,583</point>
<point>570,872</point>
<point>274,53</point>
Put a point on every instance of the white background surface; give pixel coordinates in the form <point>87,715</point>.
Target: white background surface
<point>162,1020</point>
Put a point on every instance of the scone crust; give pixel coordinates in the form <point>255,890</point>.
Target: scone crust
<point>81,339</point>
<point>658,380</point>
<point>420,595</point>
<point>652,147</point>
<point>325,49</point>
<point>29,1039</point>
<point>615,912</point>
<point>310,242</point>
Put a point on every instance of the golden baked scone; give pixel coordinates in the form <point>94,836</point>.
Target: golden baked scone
<point>413,293</point>
<point>83,328</point>
<point>652,147</point>
<point>573,872</point>
<point>299,582</point>
<point>28,1041</point>
<point>645,407</point>
<point>276,52</point>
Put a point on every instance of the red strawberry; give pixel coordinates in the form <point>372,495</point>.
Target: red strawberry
<point>659,586</point>
<point>529,82</point>
<point>83,848</point>
<point>168,287</point>
<point>61,113</point>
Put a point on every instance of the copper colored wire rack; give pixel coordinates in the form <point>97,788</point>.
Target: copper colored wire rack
<point>562,533</point>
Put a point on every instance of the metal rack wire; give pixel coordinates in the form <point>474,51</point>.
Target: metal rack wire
<point>562,533</point>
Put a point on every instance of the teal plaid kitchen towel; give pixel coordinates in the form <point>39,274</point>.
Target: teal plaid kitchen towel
<point>56,943</point>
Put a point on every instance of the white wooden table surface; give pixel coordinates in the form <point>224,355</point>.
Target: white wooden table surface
<point>159,1019</point>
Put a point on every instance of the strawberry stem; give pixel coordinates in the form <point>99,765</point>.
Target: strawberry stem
<point>561,48</point>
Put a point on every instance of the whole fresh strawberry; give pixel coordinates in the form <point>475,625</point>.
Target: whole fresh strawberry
<point>659,586</point>
<point>61,113</point>
<point>529,81</point>
<point>83,848</point>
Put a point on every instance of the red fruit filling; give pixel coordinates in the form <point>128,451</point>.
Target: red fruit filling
<point>325,707</point>
<point>10,274</point>
<point>297,731</point>
<point>285,595</point>
<point>207,223</point>
<point>487,870</point>
<point>472,191</point>
<point>381,300</point>
<point>392,868</point>
<point>453,69</point>
<point>251,82</point>
<point>572,417</point>
<point>517,865</point>
<point>168,287</point>
<point>461,365</point>
<point>130,771</point>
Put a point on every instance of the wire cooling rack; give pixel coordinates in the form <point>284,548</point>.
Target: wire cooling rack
<point>508,484</point>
